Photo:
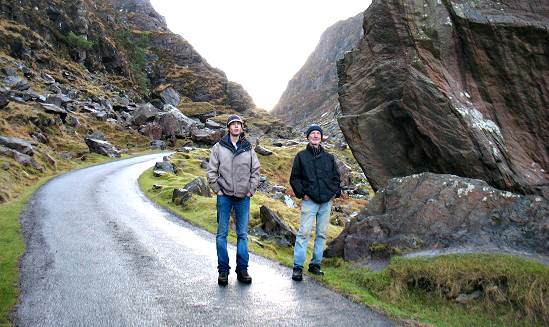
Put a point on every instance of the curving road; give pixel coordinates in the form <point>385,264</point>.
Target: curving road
<point>100,254</point>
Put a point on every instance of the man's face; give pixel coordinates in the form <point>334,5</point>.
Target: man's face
<point>235,128</point>
<point>315,137</point>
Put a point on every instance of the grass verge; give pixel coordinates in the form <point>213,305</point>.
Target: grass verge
<point>11,241</point>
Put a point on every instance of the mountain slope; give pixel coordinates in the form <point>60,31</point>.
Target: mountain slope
<point>311,95</point>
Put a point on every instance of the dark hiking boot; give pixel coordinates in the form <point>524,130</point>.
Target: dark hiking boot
<point>297,274</point>
<point>243,277</point>
<point>315,270</point>
<point>223,278</point>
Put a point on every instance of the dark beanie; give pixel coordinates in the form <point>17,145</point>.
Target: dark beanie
<point>314,127</point>
<point>233,118</point>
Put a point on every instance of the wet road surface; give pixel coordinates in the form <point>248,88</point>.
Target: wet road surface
<point>100,254</point>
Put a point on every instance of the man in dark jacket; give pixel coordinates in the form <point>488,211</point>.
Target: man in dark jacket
<point>315,179</point>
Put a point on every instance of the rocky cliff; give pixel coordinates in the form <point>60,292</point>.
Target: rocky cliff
<point>311,95</point>
<point>459,87</point>
<point>126,39</point>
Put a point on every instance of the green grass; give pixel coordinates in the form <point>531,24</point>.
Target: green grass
<point>419,289</point>
<point>11,249</point>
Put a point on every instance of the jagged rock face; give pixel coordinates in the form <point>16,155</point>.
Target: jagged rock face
<point>120,37</point>
<point>428,211</point>
<point>456,87</point>
<point>311,95</point>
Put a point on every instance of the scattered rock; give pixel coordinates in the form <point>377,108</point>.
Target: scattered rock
<point>5,165</point>
<point>102,147</point>
<point>50,160</point>
<point>17,144</point>
<point>144,113</point>
<point>206,135</point>
<point>275,227</point>
<point>157,187</point>
<point>198,186</point>
<point>165,165</point>
<point>170,96</point>
<point>468,298</point>
<point>159,173</point>
<point>39,137</point>
<point>212,124</point>
<point>4,101</point>
<point>174,123</point>
<point>278,188</point>
<point>181,196</point>
<point>158,144</point>
<point>262,151</point>
<point>344,172</point>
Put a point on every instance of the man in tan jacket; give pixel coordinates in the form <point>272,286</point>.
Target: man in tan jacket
<point>233,174</point>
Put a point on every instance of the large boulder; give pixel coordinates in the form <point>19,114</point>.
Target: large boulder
<point>181,196</point>
<point>170,96</point>
<point>145,112</point>
<point>165,165</point>
<point>206,135</point>
<point>455,87</point>
<point>427,211</point>
<point>174,123</point>
<point>102,147</point>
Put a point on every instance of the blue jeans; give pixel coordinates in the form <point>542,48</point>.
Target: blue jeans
<point>242,210</point>
<point>311,212</point>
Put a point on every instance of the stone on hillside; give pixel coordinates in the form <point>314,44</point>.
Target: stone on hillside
<point>48,79</point>
<point>344,172</point>
<point>468,298</point>
<point>39,137</point>
<point>165,165</point>
<point>159,173</point>
<point>212,124</point>
<point>4,100</point>
<point>98,135</point>
<point>206,135</point>
<point>158,144</point>
<point>181,196</point>
<point>17,144</point>
<point>145,112</point>
<point>53,109</point>
<point>426,89</point>
<point>50,160</point>
<point>102,147</point>
<point>72,121</point>
<point>21,158</point>
<point>174,123</point>
<point>198,186</point>
<point>262,151</point>
<point>428,211</point>
<point>275,227</point>
<point>278,188</point>
<point>170,96</point>
<point>58,99</point>
<point>152,130</point>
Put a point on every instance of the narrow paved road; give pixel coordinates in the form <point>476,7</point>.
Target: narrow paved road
<point>100,254</point>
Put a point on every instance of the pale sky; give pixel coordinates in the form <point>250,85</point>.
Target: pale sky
<point>259,44</point>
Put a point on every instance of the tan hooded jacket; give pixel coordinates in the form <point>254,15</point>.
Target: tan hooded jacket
<point>234,172</point>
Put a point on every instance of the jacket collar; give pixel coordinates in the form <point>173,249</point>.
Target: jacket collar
<point>315,151</point>
<point>244,144</point>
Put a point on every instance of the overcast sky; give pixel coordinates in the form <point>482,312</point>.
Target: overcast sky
<point>259,44</point>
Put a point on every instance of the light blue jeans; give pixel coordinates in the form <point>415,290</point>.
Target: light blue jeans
<point>311,212</point>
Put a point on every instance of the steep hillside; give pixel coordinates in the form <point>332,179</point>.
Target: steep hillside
<point>311,95</point>
<point>126,39</point>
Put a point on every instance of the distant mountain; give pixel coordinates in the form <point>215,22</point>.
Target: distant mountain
<point>311,95</point>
